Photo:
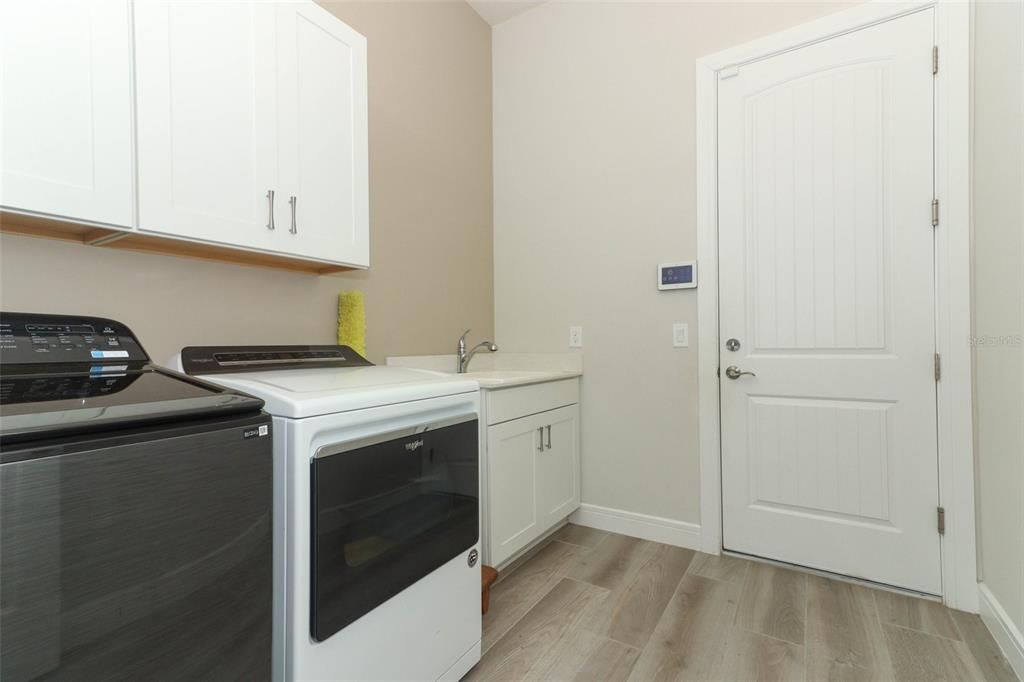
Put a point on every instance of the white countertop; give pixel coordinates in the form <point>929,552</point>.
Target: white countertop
<point>504,378</point>
<point>501,370</point>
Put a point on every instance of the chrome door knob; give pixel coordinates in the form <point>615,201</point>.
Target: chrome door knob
<point>733,372</point>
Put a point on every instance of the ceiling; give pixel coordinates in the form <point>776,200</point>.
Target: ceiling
<point>496,11</point>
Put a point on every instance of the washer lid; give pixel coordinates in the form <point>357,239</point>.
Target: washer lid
<point>298,393</point>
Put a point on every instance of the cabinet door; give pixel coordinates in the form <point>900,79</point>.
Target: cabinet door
<point>323,124</point>
<point>513,449</point>
<point>558,466</point>
<point>207,129</point>
<point>66,109</point>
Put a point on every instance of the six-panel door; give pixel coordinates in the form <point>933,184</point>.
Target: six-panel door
<point>66,93</point>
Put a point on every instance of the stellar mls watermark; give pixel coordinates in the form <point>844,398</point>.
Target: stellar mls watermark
<point>992,341</point>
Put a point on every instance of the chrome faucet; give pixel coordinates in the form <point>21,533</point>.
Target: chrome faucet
<point>465,357</point>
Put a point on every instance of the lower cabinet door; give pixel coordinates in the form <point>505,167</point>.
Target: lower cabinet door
<point>558,466</point>
<point>513,451</point>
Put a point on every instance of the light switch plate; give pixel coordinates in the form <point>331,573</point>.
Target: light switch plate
<point>575,337</point>
<point>680,335</point>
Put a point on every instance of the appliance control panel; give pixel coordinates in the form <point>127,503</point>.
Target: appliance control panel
<point>197,360</point>
<point>33,339</point>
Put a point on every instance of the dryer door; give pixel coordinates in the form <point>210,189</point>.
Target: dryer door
<point>387,511</point>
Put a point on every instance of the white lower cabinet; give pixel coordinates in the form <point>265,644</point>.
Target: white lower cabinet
<point>558,466</point>
<point>513,450</point>
<point>532,473</point>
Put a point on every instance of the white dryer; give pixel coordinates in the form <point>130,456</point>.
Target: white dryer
<point>376,511</point>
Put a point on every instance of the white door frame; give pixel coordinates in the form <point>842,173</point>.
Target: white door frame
<point>952,268</point>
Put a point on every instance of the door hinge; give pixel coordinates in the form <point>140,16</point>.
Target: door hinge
<point>728,72</point>
<point>938,367</point>
<point>935,212</point>
<point>941,520</point>
<point>718,372</point>
<point>935,59</point>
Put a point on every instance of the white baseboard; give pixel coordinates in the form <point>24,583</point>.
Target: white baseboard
<point>1004,631</point>
<point>656,528</point>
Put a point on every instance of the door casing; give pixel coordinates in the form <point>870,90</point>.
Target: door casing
<point>952,267</point>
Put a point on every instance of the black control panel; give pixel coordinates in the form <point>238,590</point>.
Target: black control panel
<point>223,359</point>
<point>35,339</point>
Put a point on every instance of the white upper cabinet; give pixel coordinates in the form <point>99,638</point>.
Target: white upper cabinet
<point>252,127</point>
<point>323,133</point>
<point>66,138</point>
<point>207,129</point>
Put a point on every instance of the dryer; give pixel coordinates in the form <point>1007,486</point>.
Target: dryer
<point>376,511</point>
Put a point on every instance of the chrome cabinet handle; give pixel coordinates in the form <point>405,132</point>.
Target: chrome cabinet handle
<point>549,436</point>
<point>540,433</point>
<point>291,202</point>
<point>270,201</point>
<point>733,372</point>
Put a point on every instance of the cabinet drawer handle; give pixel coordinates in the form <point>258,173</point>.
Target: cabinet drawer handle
<point>292,202</point>
<point>549,436</point>
<point>540,433</point>
<point>270,201</point>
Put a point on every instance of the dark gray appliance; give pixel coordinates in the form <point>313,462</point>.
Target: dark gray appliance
<point>135,512</point>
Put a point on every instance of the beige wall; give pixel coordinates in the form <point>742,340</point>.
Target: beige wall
<point>999,297</point>
<point>594,185</point>
<point>430,215</point>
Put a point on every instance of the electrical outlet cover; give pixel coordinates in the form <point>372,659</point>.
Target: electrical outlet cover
<point>575,337</point>
<point>681,335</point>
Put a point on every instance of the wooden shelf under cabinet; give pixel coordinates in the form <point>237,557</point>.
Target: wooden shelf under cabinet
<point>105,237</point>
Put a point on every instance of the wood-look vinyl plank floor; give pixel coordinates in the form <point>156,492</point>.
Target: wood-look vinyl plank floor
<point>522,588</point>
<point>774,602</point>
<point>916,614</point>
<point>600,606</point>
<point>690,640</point>
<point>722,567</point>
<point>751,656</point>
<point>548,624</point>
<point>917,655</point>
<point>580,535</point>
<point>613,562</point>
<point>990,660</point>
<point>610,661</point>
<point>844,641</point>
<point>632,610</point>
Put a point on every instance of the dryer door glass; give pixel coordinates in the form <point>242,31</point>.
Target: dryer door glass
<point>387,511</point>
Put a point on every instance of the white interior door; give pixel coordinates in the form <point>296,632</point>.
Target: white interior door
<point>829,453</point>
